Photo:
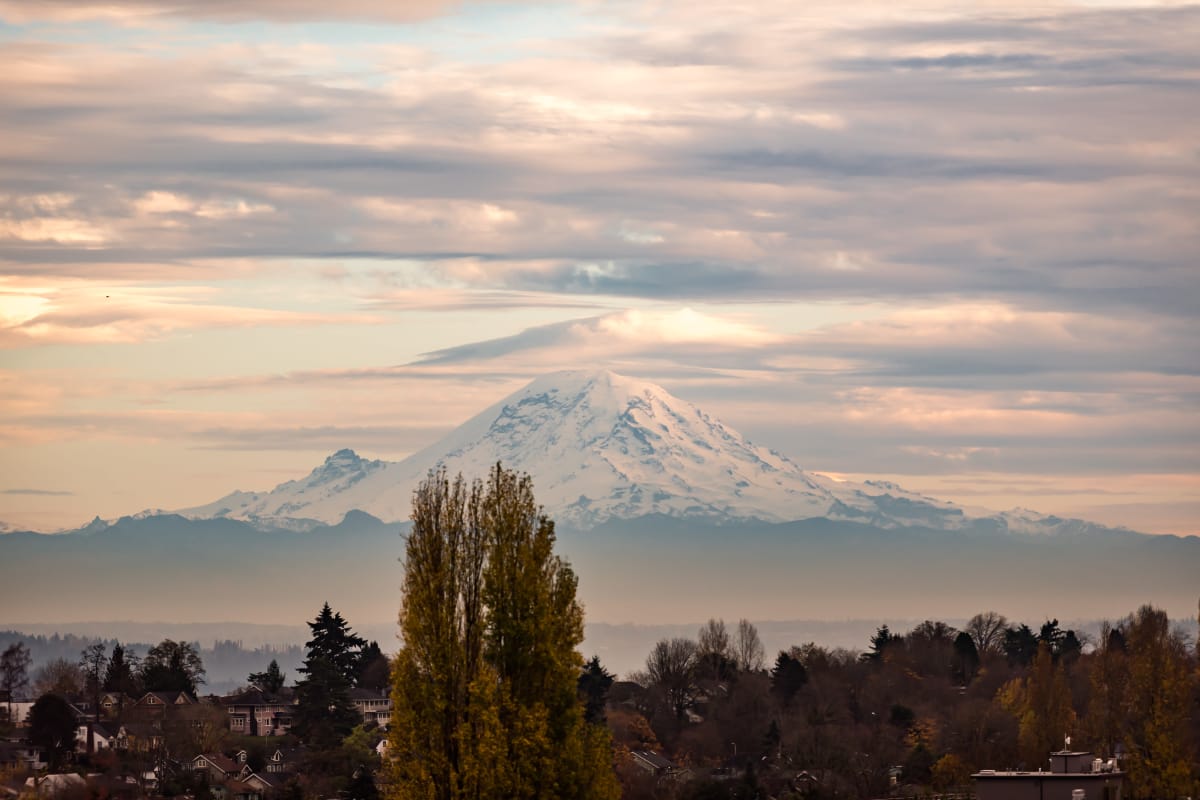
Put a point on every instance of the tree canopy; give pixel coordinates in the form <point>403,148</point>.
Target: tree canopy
<point>485,687</point>
<point>172,666</point>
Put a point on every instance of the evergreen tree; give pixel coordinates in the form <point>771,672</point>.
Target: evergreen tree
<point>881,642</point>
<point>485,686</point>
<point>1020,645</point>
<point>373,668</point>
<point>333,641</point>
<point>270,681</point>
<point>120,677</point>
<point>966,658</point>
<point>594,683</point>
<point>324,712</point>
<point>788,677</point>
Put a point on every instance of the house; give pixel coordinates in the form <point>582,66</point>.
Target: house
<point>372,706</point>
<point>283,760</point>
<point>217,767</point>
<point>20,711</point>
<point>159,703</point>
<point>112,704</point>
<point>104,736</point>
<point>21,756</point>
<point>54,785</point>
<point>140,737</point>
<point>257,713</point>
<point>1072,776</point>
<point>652,763</point>
<point>235,789</point>
<point>264,783</point>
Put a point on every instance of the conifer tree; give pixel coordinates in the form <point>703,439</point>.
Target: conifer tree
<point>121,677</point>
<point>324,711</point>
<point>485,687</point>
<point>333,640</point>
<point>270,681</point>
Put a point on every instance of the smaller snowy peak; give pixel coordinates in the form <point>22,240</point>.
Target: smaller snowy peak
<point>342,463</point>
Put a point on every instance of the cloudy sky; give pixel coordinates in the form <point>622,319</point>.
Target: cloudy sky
<point>950,244</point>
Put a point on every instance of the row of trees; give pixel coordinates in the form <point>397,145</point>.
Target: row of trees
<point>938,702</point>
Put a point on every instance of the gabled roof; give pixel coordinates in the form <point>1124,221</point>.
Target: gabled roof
<point>653,759</point>
<point>367,694</point>
<point>166,699</point>
<point>222,762</point>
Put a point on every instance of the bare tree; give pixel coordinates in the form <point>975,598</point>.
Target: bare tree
<point>748,651</point>
<point>58,676</point>
<point>14,671</point>
<point>987,631</point>
<point>714,652</point>
<point>671,669</point>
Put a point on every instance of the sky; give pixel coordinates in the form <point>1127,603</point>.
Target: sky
<point>952,245</point>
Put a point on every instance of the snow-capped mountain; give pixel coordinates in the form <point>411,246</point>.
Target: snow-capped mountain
<point>602,446</point>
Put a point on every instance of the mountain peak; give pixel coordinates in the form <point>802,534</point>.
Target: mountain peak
<point>603,446</point>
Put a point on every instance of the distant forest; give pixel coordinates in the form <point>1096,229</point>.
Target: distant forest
<point>226,661</point>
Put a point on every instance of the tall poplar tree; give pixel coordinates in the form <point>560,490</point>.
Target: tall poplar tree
<point>484,688</point>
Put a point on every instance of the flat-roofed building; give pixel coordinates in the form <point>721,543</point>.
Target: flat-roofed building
<point>1072,776</point>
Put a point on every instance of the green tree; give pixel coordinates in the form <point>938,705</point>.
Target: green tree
<point>52,727</point>
<point>485,685</point>
<point>172,666</point>
<point>334,641</point>
<point>1020,645</point>
<point>593,684</point>
<point>324,712</point>
<point>269,681</point>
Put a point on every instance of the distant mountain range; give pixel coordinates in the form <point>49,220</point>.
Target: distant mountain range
<point>603,447</point>
<point>667,514</point>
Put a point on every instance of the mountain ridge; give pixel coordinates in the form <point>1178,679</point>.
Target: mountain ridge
<point>603,446</point>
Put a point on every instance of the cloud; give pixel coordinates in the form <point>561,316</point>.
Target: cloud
<point>128,11</point>
<point>37,492</point>
<point>74,311</point>
<point>612,335</point>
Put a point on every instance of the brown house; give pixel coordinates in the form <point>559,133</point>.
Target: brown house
<point>256,713</point>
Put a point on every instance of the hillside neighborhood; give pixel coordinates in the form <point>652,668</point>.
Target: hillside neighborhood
<point>989,711</point>
<point>147,745</point>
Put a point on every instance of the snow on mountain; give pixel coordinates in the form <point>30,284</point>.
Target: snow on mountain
<point>602,446</point>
